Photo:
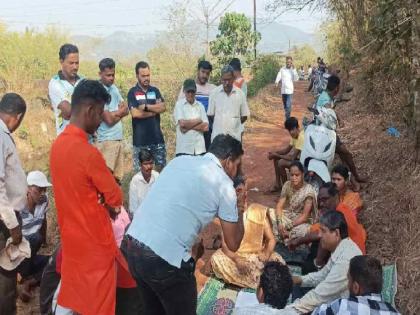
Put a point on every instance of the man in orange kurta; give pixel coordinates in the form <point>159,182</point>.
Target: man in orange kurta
<point>328,199</point>
<point>84,189</point>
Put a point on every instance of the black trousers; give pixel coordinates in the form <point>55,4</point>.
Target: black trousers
<point>164,289</point>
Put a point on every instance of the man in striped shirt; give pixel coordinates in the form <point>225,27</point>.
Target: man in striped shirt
<point>365,286</point>
<point>34,229</point>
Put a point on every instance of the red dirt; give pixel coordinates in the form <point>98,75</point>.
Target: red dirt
<point>263,133</point>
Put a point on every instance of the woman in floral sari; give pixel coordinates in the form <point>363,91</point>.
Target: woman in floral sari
<point>296,209</point>
<point>243,267</point>
<point>340,176</point>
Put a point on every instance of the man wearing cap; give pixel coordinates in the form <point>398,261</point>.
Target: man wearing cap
<point>34,229</point>
<point>191,122</point>
<point>12,197</point>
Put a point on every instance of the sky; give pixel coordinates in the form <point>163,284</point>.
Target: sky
<point>103,17</point>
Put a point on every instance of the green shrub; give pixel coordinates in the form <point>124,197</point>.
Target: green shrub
<point>263,72</point>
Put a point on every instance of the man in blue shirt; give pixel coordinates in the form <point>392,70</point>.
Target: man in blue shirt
<point>110,132</point>
<point>146,104</point>
<point>189,193</point>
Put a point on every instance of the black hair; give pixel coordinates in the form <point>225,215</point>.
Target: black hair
<point>141,65</point>
<point>291,123</point>
<point>367,272</point>
<point>335,220</point>
<point>331,187</point>
<point>309,66</point>
<point>145,155</point>
<point>225,146</point>
<point>333,82</point>
<point>298,165</point>
<point>89,90</point>
<point>289,57</point>
<point>12,104</point>
<point>235,63</point>
<point>66,50</point>
<point>106,63</point>
<point>276,283</point>
<point>238,180</point>
<point>204,64</point>
<point>342,170</point>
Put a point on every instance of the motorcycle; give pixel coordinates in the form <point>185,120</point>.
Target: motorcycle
<point>319,146</point>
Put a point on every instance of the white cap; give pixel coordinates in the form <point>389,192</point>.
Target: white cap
<point>12,255</point>
<point>320,168</point>
<point>37,178</point>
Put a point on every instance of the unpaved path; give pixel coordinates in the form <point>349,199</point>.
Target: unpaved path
<point>263,133</point>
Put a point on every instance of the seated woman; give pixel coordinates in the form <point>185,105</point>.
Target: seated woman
<point>243,267</point>
<point>296,209</point>
<point>340,177</point>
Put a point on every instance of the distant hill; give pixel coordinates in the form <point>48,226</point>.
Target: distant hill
<point>275,37</point>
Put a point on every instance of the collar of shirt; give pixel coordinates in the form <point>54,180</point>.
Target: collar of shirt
<point>212,157</point>
<point>61,76</point>
<point>4,127</point>
<point>372,296</point>
<point>152,178</point>
<point>340,250</point>
<point>107,88</point>
<point>195,104</point>
<point>74,130</point>
<point>138,86</point>
<point>234,90</point>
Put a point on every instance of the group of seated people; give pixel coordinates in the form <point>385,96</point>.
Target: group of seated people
<point>362,288</point>
<point>319,220</point>
<point>323,223</point>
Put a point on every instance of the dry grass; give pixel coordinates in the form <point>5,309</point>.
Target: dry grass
<point>392,203</point>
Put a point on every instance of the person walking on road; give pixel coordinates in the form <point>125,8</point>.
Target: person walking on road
<point>287,75</point>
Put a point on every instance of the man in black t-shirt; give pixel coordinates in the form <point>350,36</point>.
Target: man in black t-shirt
<point>146,104</point>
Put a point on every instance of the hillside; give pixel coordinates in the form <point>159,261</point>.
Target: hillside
<point>275,37</point>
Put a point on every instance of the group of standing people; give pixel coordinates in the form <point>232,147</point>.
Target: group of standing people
<point>111,259</point>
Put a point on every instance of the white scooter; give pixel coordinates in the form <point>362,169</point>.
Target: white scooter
<point>319,147</point>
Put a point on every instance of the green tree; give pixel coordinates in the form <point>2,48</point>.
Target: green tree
<point>235,39</point>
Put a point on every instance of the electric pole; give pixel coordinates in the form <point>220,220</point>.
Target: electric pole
<point>255,29</point>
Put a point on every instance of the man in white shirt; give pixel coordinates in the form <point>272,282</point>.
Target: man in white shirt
<point>191,122</point>
<point>190,192</point>
<point>331,281</point>
<point>142,181</point>
<point>13,189</point>
<point>287,75</point>
<point>61,86</point>
<point>204,88</point>
<point>228,107</point>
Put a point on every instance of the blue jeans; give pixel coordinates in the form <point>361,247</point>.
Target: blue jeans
<point>287,104</point>
<point>158,152</point>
